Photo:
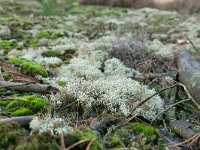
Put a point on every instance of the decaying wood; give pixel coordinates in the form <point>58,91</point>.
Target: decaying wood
<point>178,5</point>
<point>28,87</point>
<point>189,73</point>
<point>22,121</point>
<point>182,127</point>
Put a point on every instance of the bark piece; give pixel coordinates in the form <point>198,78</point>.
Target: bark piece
<point>182,127</point>
<point>28,87</point>
<point>22,121</point>
<point>189,72</point>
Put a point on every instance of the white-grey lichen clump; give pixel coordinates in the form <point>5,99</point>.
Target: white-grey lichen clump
<point>54,125</point>
<point>95,80</point>
<point>161,50</point>
<point>80,68</point>
<point>115,67</point>
<point>4,31</point>
<point>116,93</point>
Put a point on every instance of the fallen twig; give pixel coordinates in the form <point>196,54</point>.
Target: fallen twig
<point>62,141</point>
<point>23,121</point>
<point>168,109</point>
<point>196,49</point>
<point>28,87</point>
<point>1,76</point>
<point>188,140</point>
<point>148,98</point>
<point>15,98</point>
<point>89,145</point>
<point>77,143</point>
<point>189,95</point>
<point>195,139</point>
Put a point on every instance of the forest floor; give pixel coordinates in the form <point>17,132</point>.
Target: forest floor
<point>95,77</point>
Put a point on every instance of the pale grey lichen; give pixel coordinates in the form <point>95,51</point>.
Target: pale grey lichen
<point>80,68</point>
<point>64,44</point>
<point>48,60</point>
<point>54,125</point>
<point>115,93</point>
<point>161,50</point>
<point>4,31</point>
<point>115,67</point>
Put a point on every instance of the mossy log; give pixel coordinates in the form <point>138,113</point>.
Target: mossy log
<point>28,87</point>
<point>189,72</point>
<point>178,5</point>
<point>22,121</point>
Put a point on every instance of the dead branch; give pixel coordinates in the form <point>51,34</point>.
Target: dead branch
<point>28,87</point>
<point>77,143</point>
<point>15,98</point>
<point>189,95</point>
<point>188,140</point>
<point>89,145</point>
<point>193,45</point>
<point>148,98</point>
<point>1,76</point>
<point>182,127</point>
<point>23,121</point>
<point>62,141</point>
<point>168,109</point>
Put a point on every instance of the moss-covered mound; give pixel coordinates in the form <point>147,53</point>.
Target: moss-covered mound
<point>133,135</point>
<point>24,105</point>
<point>28,67</point>
<point>13,137</point>
<point>10,135</point>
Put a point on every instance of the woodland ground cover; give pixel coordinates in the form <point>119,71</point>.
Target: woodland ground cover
<point>93,77</point>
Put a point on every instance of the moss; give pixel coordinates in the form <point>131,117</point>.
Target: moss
<point>148,131</point>
<point>44,34</point>
<point>198,33</point>
<point>62,83</point>
<point>70,51</point>
<point>22,112</point>
<point>29,68</point>
<point>4,103</point>
<point>114,142</point>
<point>83,133</point>
<point>41,141</point>
<point>6,46</point>
<point>32,42</point>
<point>51,53</point>
<point>10,134</point>
<point>23,108</point>
<point>143,136</point>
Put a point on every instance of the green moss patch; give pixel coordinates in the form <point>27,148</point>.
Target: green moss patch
<point>41,141</point>
<point>22,112</point>
<point>143,136</point>
<point>29,68</point>
<point>10,135</point>
<point>51,53</point>
<point>32,106</point>
<point>84,133</point>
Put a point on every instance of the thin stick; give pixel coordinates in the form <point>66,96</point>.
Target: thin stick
<point>148,98</point>
<point>197,50</point>
<point>77,143</point>
<point>168,109</point>
<point>189,95</point>
<point>89,145</point>
<point>181,143</point>
<point>195,139</point>
<point>62,141</point>
<point>1,76</point>
<point>15,98</point>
